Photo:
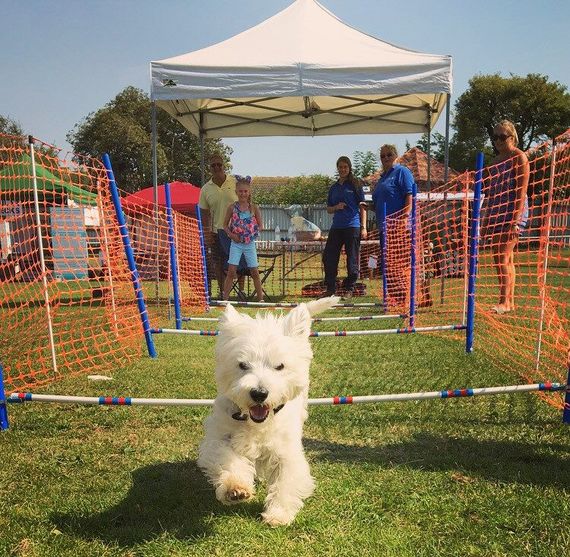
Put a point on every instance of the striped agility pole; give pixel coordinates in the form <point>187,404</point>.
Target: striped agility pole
<point>336,400</point>
<point>223,303</point>
<point>319,319</point>
<point>314,334</point>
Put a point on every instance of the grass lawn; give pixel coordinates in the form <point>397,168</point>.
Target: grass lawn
<point>483,476</point>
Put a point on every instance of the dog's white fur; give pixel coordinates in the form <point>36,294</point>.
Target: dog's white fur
<point>246,438</point>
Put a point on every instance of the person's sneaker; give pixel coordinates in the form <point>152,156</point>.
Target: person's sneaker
<point>348,295</point>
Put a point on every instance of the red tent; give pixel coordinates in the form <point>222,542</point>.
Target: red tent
<point>184,197</point>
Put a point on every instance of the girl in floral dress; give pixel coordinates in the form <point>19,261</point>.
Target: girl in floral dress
<point>242,224</point>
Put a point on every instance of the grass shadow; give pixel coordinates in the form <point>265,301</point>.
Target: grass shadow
<point>170,498</point>
<point>503,461</point>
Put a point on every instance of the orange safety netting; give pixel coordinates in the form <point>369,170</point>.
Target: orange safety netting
<point>83,291</point>
<point>523,289</point>
<point>67,303</point>
<point>148,231</point>
<point>522,324</point>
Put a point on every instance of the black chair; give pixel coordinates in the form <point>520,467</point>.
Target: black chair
<point>266,267</point>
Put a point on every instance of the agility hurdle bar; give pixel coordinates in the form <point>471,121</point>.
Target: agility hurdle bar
<point>224,303</point>
<point>317,319</point>
<point>336,400</point>
<point>402,330</point>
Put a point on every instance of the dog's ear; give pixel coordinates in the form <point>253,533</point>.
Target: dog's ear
<point>298,322</point>
<point>230,315</point>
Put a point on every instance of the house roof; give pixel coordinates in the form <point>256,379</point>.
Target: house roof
<point>417,161</point>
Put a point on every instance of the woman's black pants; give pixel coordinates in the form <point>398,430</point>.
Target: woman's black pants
<point>350,239</point>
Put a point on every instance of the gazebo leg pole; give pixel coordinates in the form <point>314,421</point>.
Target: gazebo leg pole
<point>155,190</point>
<point>446,157</point>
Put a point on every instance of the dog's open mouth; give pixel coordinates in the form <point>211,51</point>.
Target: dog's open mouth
<point>258,413</point>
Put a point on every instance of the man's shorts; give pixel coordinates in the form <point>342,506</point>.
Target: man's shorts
<point>246,250</point>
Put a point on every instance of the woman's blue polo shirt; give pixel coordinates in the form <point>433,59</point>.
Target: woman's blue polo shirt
<point>392,189</point>
<point>352,196</point>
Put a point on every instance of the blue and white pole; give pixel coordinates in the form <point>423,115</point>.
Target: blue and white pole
<point>413,256</point>
<point>566,413</point>
<point>473,254</point>
<point>124,232</point>
<point>3,409</point>
<point>203,252</point>
<point>383,257</point>
<point>173,257</point>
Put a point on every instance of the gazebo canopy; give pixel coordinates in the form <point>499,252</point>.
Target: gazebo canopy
<point>302,72</point>
<point>19,178</point>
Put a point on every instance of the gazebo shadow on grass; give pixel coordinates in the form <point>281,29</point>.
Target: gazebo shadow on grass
<point>169,498</point>
<point>504,461</point>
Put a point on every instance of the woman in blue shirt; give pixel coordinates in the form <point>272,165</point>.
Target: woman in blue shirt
<point>346,203</point>
<point>393,196</point>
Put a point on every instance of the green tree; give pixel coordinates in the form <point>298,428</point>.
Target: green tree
<point>539,108</point>
<point>122,128</point>
<point>10,126</point>
<point>364,163</point>
<point>437,145</point>
<point>300,190</point>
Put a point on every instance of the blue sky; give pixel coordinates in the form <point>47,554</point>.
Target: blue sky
<point>62,59</point>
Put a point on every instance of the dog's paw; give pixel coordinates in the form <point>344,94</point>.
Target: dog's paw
<point>233,494</point>
<point>277,516</point>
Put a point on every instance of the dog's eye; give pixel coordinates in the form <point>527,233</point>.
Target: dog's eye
<point>279,367</point>
<point>243,365</point>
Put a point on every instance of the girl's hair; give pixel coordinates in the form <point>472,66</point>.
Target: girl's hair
<point>350,178</point>
<point>507,124</point>
<point>244,180</point>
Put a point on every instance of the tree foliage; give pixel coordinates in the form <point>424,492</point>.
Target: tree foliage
<point>364,163</point>
<point>539,108</point>
<point>122,128</point>
<point>10,126</point>
<point>300,190</point>
<point>437,145</point>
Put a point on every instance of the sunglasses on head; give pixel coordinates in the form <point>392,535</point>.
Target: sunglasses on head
<point>501,136</point>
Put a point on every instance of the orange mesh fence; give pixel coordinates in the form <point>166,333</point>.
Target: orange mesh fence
<point>63,269</point>
<point>67,303</point>
<point>522,325</point>
<point>523,288</point>
<point>190,264</point>
<point>148,233</point>
<point>63,308</point>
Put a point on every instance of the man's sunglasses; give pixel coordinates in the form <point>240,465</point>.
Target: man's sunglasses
<point>216,165</point>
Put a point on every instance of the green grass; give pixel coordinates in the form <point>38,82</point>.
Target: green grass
<point>483,476</point>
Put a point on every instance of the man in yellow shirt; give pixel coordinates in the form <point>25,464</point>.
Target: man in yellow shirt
<point>215,197</point>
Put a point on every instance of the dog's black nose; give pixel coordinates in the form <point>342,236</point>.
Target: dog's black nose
<point>258,395</point>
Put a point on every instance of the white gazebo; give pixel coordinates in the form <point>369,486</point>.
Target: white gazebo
<point>303,72</point>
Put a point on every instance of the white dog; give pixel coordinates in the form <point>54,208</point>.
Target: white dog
<point>255,429</point>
